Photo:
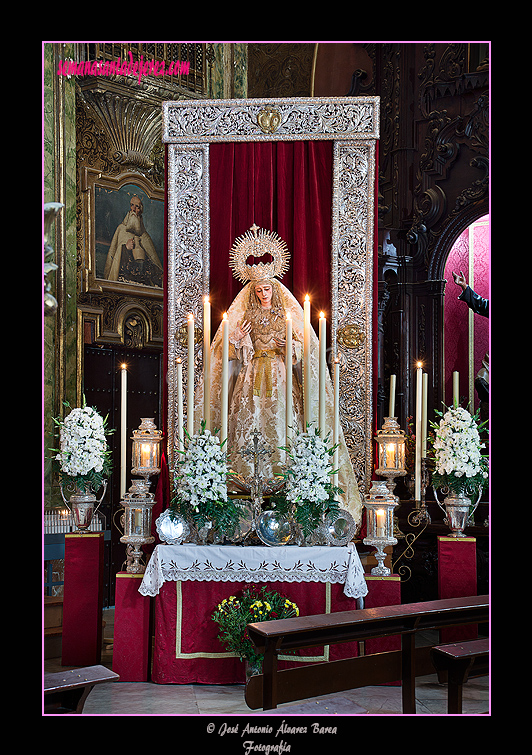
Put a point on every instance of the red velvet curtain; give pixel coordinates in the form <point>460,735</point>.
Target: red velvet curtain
<point>281,186</point>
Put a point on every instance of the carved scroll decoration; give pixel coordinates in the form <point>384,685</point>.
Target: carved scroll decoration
<point>352,124</point>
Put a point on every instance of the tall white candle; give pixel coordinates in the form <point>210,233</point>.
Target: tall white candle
<point>180,428</point>
<point>391,407</point>
<point>456,388</point>
<point>336,426</point>
<point>424,409</point>
<point>225,379</point>
<point>207,362</point>
<point>288,365</point>
<point>123,429</point>
<point>419,409</point>
<point>322,369</point>
<point>306,362</point>
<point>190,375</point>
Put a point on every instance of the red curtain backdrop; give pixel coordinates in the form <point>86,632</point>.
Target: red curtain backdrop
<point>281,186</point>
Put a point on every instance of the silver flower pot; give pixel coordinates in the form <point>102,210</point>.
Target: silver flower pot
<point>458,511</point>
<point>83,506</point>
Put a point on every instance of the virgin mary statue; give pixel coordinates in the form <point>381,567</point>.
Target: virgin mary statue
<point>258,371</point>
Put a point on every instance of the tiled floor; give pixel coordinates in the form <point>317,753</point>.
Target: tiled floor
<point>144,699</point>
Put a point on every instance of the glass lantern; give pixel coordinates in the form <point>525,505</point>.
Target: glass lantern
<point>138,502</point>
<point>146,450</point>
<point>380,504</point>
<point>392,445</point>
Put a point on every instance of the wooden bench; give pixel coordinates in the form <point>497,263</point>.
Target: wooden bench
<point>272,687</point>
<point>456,663</point>
<point>66,691</point>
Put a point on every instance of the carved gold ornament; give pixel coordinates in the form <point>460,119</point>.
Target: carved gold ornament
<point>351,336</point>
<point>257,242</point>
<point>269,120</point>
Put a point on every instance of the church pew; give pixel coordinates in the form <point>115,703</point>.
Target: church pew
<point>67,691</point>
<point>274,686</point>
<point>456,663</point>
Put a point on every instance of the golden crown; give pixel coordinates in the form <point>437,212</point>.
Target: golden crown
<point>257,242</point>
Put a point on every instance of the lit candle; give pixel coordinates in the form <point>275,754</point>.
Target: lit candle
<point>288,365</point>
<point>123,428</point>
<point>390,455</point>
<point>207,362</point>
<point>180,429</point>
<point>425,390</point>
<point>381,522</point>
<point>391,409</point>
<point>456,388</point>
<point>322,368</point>
<point>419,409</point>
<point>190,376</point>
<point>145,453</point>
<point>306,362</point>
<point>225,378</point>
<point>336,426</point>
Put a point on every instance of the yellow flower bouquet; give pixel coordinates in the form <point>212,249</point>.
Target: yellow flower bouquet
<point>254,604</point>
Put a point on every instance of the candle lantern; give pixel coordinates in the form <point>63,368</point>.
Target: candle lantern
<point>380,504</point>
<point>138,502</point>
<point>391,453</point>
<point>146,451</point>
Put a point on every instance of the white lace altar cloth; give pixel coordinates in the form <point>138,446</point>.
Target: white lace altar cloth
<point>234,563</point>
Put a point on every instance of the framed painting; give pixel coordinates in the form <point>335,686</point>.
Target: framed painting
<point>124,227</point>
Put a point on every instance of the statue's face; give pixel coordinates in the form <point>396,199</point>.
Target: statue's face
<point>264,293</point>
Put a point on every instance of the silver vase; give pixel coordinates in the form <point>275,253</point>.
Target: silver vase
<point>83,505</point>
<point>458,511</point>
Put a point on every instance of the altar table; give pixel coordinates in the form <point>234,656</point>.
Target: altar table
<point>189,581</point>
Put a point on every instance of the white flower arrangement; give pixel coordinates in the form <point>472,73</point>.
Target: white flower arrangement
<point>308,491</point>
<point>309,474</point>
<point>203,476</point>
<point>459,463</point>
<point>200,489</point>
<point>83,456</point>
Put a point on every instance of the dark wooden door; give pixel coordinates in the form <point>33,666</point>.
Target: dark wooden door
<point>102,389</point>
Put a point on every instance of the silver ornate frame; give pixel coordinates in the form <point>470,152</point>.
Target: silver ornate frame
<point>352,124</point>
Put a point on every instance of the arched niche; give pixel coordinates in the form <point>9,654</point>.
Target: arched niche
<point>350,125</point>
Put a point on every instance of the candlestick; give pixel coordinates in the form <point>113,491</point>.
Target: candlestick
<point>288,365</point>
<point>306,362</point>
<point>225,379</point>
<point>336,426</point>
<point>322,368</point>
<point>123,428</point>
<point>180,428</point>
<point>190,376</point>
<point>419,409</point>
<point>456,388</point>
<point>425,393</point>
<point>391,408</point>
<point>207,362</point>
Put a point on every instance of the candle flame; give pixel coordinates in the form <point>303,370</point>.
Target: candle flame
<point>288,316</point>
<point>420,364</point>
<point>190,317</point>
<point>178,360</point>
<point>206,300</point>
<point>322,315</point>
<point>225,315</point>
<point>307,297</point>
<point>123,366</point>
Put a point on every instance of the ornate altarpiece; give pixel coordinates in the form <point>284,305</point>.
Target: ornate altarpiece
<point>351,124</point>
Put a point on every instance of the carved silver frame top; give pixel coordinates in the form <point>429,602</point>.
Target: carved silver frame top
<point>352,124</point>
<point>300,118</point>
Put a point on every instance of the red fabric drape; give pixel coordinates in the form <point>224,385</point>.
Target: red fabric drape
<point>281,186</point>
